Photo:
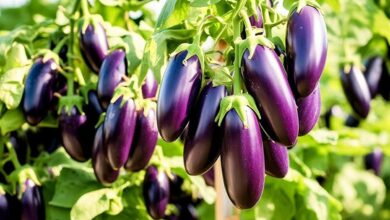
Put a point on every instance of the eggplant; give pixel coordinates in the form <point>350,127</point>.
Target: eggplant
<point>38,90</point>
<point>32,204</point>
<point>186,212</point>
<point>242,159</point>
<point>119,127</point>
<point>202,145</point>
<point>373,161</point>
<point>177,98</point>
<point>306,45</point>
<point>101,167</point>
<point>384,83</point>
<point>77,139</point>
<point>149,88</point>
<point>266,80</point>
<point>93,109</point>
<point>257,23</point>
<point>309,109</point>
<point>93,46</point>
<point>352,121</point>
<point>155,192</point>
<point>145,139</point>
<point>113,69</point>
<point>373,73</point>
<point>209,177</point>
<point>356,90</point>
<point>5,209</point>
<point>276,158</point>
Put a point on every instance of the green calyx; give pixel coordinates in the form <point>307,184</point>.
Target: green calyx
<point>299,5</point>
<point>85,89</point>
<point>47,54</point>
<point>95,20</point>
<point>192,49</point>
<point>67,103</point>
<point>20,176</point>
<point>238,103</point>
<point>146,105</point>
<point>251,43</point>
<point>221,75</point>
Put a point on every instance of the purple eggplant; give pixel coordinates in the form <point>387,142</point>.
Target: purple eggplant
<point>202,145</point>
<point>145,139</point>
<point>77,139</point>
<point>119,127</point>
<point>242,159</point>
<point>149,88</point>
<point>113,69</point>
<point>38,90</point>
<point>276,158</point>
<point>209,177</point>
<point>102,168</point>
<point>32,204</point>
<point>309,109</point>
<point>356,90</point>
<point>177,98</point>
<point>307,46</point>
<point>267,82</point>
<point>5,209</point>
<point>384,84</point>
<point>257,23</point>
<point>373,161</point>
<point>93,109</point>
<point>373,73</point>
<point>156,192</point>
<point>93,46</point>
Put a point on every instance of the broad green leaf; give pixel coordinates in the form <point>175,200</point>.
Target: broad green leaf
<point>11,121</point>
<point>11,86</point>
<point>94,203</point>
<point>173,13</point>
<point>136,50</point>
<point>15,57</point>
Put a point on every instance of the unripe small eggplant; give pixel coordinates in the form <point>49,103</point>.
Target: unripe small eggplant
<point>307,47</point>
<point>356,90</point>
<point>76,138</point>
<point>101,167</point>
<point>149,88</point>
<point>113,69</point>
<point>177,97</point>
<point>38,90</point>
<point>156,192</point>
<point>93,46</point>
<point>276,158</point>
<point>309,109</point>
<point>32,204</point>
<point>202,145</point>
<point>242,159</point>
<point>145,139</point>
<point>266,80</point>
<point>373,73</point>
<point>373,161</point>
<point>119,127</point>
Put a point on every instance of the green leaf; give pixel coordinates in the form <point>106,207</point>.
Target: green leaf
<point>203,3</point>
<point>173,12</point>
<point>73,183</point>
<point>16,57</point>
<point>11,86</point>
<point>11,121</point>
<point>94,203</point>
<point>136,50</point>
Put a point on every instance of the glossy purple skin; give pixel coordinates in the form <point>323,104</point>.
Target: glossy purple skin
<point>93,109</point>
<point>373,73</point>
<point>276,158</point>
<point>32,204</point>
<point>309,109</point>
<point>242,159</point>
<point>156,192</point>
<point>101,167</point>
<point>113,69</point>
<point>209,177</point>
<point>266,81</point>
<point>38,90</point>
<point>145,139</point>
<point>373,161</point>
<point>76,139</point>
<point>356,90</point>
<point>307,47</point>
<point>149,88</point>
<point>4,207</point>
<point>202,145</point>
<point>93,46</point>
<point>119,127</point>
<point>177,98</point>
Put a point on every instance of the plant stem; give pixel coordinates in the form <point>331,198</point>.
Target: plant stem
<point>12,155</point>
<point>236,77</point>
<point>84,7</point>
<point>59,46</point>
